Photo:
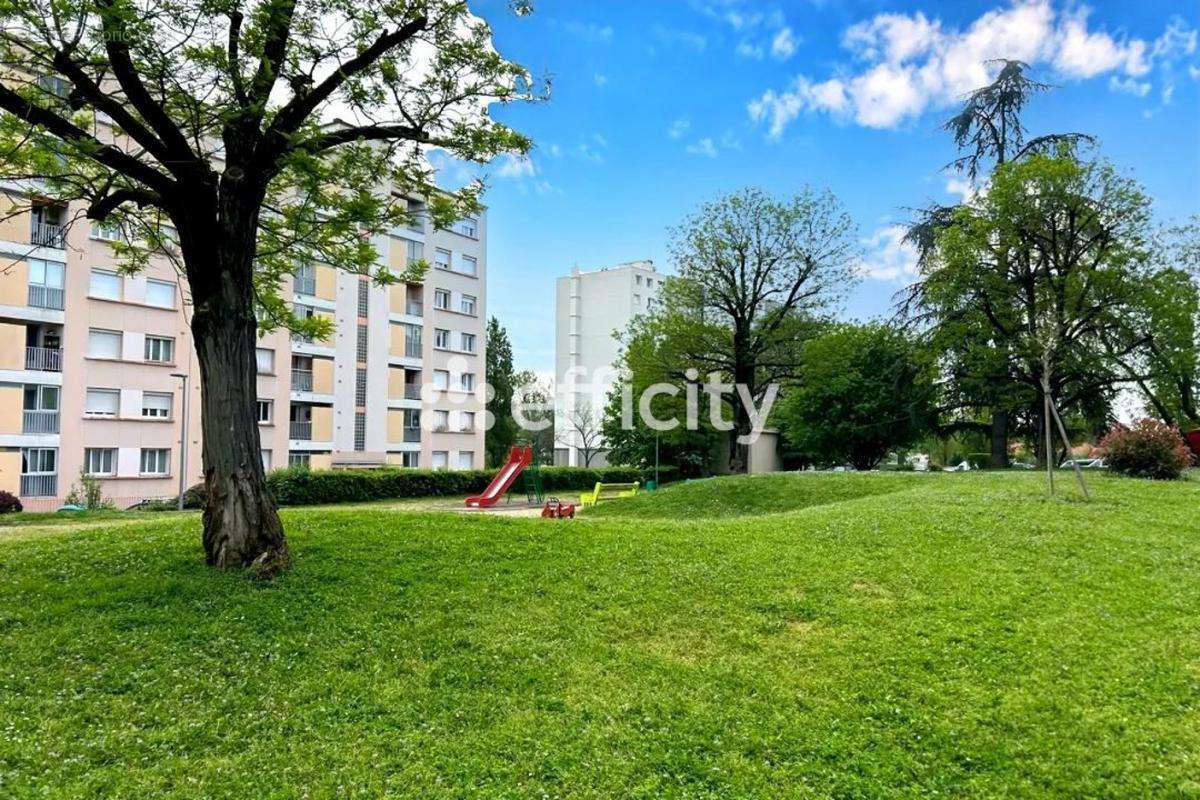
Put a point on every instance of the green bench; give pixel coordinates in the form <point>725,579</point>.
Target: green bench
<point>607,491</point>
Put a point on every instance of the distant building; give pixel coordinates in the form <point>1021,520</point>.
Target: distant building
<point>590,309</point>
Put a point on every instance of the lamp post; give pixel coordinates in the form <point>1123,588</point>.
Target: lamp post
<point>183,437</point>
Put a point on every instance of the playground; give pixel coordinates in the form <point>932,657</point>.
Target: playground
<point>853,634</point>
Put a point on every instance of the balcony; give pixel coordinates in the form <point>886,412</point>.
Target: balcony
<point>412,391</point>
<point>301,430</point>
<point>412,434</point>
<point>413,308</point>
<point>305,286</point>
<point>412,348</point>
<point>39,485</point>
<point>44,359</point>
<point>302,380</point>
<point>45,297</point>
<point>48,234</point>
<point>39,421</point>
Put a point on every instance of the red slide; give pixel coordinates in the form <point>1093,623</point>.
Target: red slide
<point>518,459</point>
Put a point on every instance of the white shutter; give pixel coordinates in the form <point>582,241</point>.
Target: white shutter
<point>105,285</point>
<point>103,402</point>
<point>104,344</point>
<point>160,293</point>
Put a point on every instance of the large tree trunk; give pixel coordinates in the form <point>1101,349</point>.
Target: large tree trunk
<point>1000,438</point>
<point>241,521</point>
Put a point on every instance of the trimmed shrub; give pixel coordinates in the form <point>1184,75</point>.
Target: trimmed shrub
<point>301,486</point>
<point>9,504</point>
<point>1150,449</point>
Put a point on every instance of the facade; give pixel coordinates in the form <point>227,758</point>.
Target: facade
<point>93,363</point>
<point>590,308</point>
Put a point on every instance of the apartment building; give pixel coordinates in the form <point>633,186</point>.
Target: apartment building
<point>93,362</point>
<point>590,308</point>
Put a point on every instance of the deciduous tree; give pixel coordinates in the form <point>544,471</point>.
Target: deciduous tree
<point>266,135</point>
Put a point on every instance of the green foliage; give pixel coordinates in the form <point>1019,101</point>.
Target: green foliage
<point>960,637</point>
<point>300,486</point>
<point>501,378</point>
<point>863,390</point>
<point>1149,449</point>
<point>88,493</point>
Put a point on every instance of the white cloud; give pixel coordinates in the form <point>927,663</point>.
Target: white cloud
<point>681,38</point>
<point>553,150</point>
<point>783,46</point>
<point>512,166</point>
<point>888,257</point>
<point>909,64</point>
<point>963,188</point>
<point>704,147</point>
<point>679,127</point>
<point>746,49</point>
<point>600,80</point>
<point>1129,86</point>
<point>589,31</point>
<point>1194,71</point>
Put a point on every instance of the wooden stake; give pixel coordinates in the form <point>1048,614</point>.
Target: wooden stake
<point>1062,431</point>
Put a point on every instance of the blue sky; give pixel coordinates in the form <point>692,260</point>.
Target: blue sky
<point>657,106</point>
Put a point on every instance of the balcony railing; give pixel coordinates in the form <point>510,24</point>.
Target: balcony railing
<point>39,421</point>
<point>45,296</point>
<point>306,286</point>
<point>302,380</point>
<point>39,485</point>
<point>412,434</point>
<point>413,307</point>
<point>412,349</point>
<point>48,234</point>
<point>416,223</point>
<point>45,359</point>
<point>301,430</point>
<point>412,391</point>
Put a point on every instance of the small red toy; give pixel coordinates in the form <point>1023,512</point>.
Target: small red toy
<point>554,509</point>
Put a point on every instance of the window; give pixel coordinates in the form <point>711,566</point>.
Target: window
<point>156,405</point>
<point>466,304</point>
<point>364,297</point>
<point>468,342</point>
<point>410,459</point>
<point>39,461</point>
<point>103,402</point>
<point>441,420</point>
<point>441,379</point>
<point>46,273</point>
<point>264,357</point>
<point>160,349</point>
<point>361,344</point>
<point>104,285</point>
<point>469,265</point>
<point>160,294</point>
<point>637,301</point>
<point>466,459</point>
<point>441,338</point>
<point>416,251</point>
<point>412,418</point>
<point>104,344</point>
<point>54,85</point>
<point>306,279</point>
<point>360,431</point>
<point>299,459</point>
<point>467,381</point>
<point>466,227</point>
<point>360,387</point>
<point>441,258</point>
<point>155,460</point>
<point>441,459</point>
<point>100,460</point>
<point>467,421</point>
<point>638,279</point>
<point>41,398</point>
<point>107,231</point>
<point>441,299</point>
<point>266,459</point>
<point>265,411</point>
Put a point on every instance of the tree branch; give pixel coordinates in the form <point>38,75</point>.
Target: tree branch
<point>106,204</point>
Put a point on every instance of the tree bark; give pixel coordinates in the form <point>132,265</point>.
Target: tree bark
<point>241,520</point>
<point>1000,439</point>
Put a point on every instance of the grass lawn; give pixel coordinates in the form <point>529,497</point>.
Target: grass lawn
<point>883,635</point>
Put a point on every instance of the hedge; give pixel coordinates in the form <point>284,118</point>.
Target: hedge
<point>299,486</point>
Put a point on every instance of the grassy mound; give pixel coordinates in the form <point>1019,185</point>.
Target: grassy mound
<point>965,637</point>
<point>746,495</point>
